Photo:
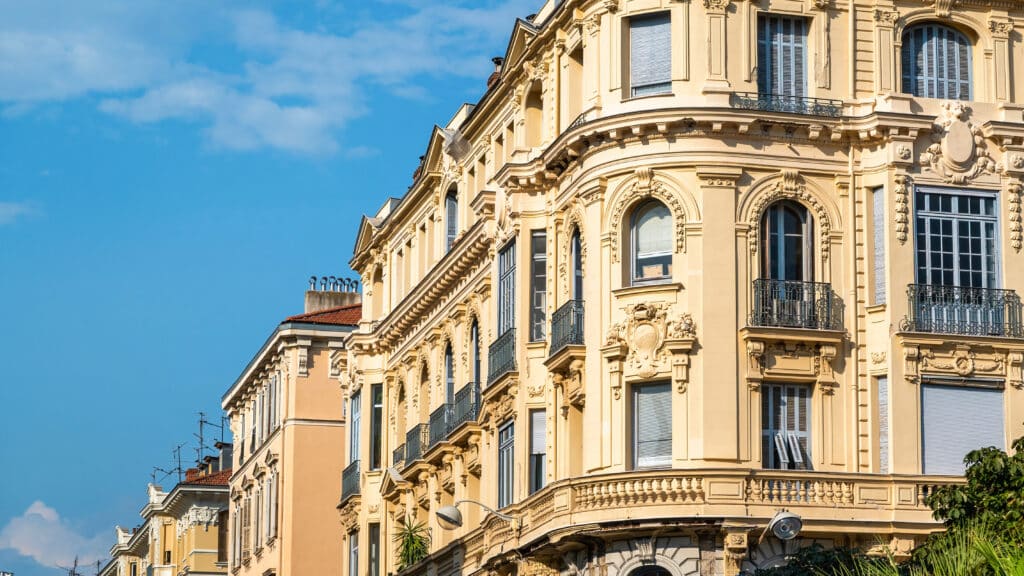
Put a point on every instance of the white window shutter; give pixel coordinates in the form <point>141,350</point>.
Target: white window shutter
<point>650,54</point>
<point>944,442</point>
<point>653,425</point>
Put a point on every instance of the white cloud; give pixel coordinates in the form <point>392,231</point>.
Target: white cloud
<point>281,87</point>
<point>11,211</point>
<point>43,535</point>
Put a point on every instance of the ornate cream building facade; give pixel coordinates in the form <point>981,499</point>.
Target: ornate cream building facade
<point>287,423</point>
<point>687,264</point>
<point>184,531</point>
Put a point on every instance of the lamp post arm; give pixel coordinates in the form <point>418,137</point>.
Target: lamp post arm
<point>505,517</point>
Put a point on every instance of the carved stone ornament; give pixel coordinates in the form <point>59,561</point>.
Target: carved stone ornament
<point>1015,375</point>
<point>1000,29</point>
<point>901,196</point>
<point>1014,191</point>
<point>716,6</point>
<point>645,185</point>
<point>573,222</point>
<point>787,360</point>
<point>963,361</point>
<point>878,357</point>
<point>197,515</point>
<point>736,544</point>
<point>644,335</point>
<point>571,383</point>
<point>886,17</point>
<point>942,7</point>
<point>349,514</point>
<point>790,186</point>
<point>958,153</point>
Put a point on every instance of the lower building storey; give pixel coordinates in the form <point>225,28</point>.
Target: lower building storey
<point>681,523</point>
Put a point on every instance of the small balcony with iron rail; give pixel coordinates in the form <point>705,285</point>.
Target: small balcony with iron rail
<point>963,311</point>
<point>795,304</point>
<point>567,350</point>
<point>350,481</point>
<point>501,357</point>
<point>441,421</point>
<point>398,456</point>
<point>787,104</point>
<point>417,439</point>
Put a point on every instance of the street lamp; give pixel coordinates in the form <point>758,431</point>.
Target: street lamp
<point>451,518</point>
<point>784,525</point>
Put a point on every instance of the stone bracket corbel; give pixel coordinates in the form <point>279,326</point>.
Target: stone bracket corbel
<point>679,350</point>
<point>615,355</point>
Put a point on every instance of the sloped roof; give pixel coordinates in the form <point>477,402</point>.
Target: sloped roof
<point>340,316</point>
<point>221,478</point>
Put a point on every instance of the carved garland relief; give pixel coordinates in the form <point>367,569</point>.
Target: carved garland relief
<point>963,361</point>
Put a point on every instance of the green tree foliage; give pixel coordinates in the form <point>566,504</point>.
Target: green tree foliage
<point>994,492</point>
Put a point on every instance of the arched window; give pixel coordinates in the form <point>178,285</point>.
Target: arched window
<point>451,215</point>
<point>424,400</point>
<point>449,376</point>
<point>651,243</point>
<point>936,62</point>
<point>788,248</point>
<point>474,337</point>
<point>650,570</point>
<point>576,249</point>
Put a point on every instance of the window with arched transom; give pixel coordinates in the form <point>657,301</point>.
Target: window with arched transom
<point>936,62</point>
<point>650,244</point>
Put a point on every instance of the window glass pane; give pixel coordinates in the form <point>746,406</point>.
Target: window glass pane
<point>355,424</point>
<point>652,425</point>
<point>506,288</point>
<point>936,62</point>
<point>782,48</point>
<point>506,445</point>
<point>652,242</point>
<point>785,426</point>
<point>538,285</point>
<point>538,449</point>
<point>650,54</point>
<point>376,425</point>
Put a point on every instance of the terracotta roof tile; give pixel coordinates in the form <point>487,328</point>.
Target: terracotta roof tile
<point>343,316</point>
<point>221,478</point>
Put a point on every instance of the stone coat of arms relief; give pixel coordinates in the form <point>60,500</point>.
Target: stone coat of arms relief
<point>958,153</point>
<point>651,341</point>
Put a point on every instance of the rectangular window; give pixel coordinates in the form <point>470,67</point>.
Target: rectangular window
<point>538,449</point>
<point>451,202</point>
<point>883,424</point>
<point>134,571</point>
<point>785,426</point>
<point>781,55</point>
<point>353,554</point>
<point>878,241</point>
<point>506,460</point>
<point>538,285</point>
<point>650,54</point>
<point>506,288</point>
<point>652,426</point>
<point>355,421</point>
<point>167,557</point>
<point>944,441</point>
<point>956,237</point>
<point>376,425</point>
<point>374,536</point>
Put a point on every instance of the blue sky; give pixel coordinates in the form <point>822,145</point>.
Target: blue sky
<point>170,175</point>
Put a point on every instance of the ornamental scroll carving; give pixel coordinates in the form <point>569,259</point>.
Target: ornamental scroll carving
<point>648,343</point>
<point>573,223</point>
<point>197,515</point>
<point>963,361</point>
<point>901,196</point>
<point>1014,190</point>
<point>571,381</point>
<point>958,153</point>
<point>790,186</point>
<point>646,186</point>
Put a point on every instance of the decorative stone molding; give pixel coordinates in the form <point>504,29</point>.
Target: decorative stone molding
<point>337,359</point>
<point>349,514</point>
<point>571,383</point>
<point>878,357</point>
<point>1014,191</point>
<point>901,198</point>
<point>648,343</point>
<point>1000,29</point>
<point>1015,369</point>
<point>963,361</point>
<point>646,186</point>
<point>197,515</point>
<point>735,544</point>
<point>887,17</point>
<point>942,7</point>
<point>791,186</point>
<point>958,153</point>
<point>716,6</point>
<point>573,221</point>
<point>303,361</point>
<point>770,359</point>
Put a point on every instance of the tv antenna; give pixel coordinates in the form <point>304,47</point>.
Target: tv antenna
<point>177,469</point>
<point>203,422</point>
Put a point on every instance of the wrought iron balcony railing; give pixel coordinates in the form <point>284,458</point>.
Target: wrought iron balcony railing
<point>441,423</point>
<point>350,480</point>
<point>796,304</point>
<point>398,456</point>
<point>963,310</point>
<point>501,356</point>
<point>567,325</point>
<point>416,441</point>
<point>467,405</point>
<point>788,104</point>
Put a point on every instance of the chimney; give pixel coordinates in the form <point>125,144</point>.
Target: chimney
<point>192,474</point>
<point>225,455</point>
<point>496,75</point>
<point>331,292</point>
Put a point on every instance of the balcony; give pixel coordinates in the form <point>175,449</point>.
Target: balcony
<point>398,456</point>
<point>416,440</point>
<point>467,405</point>
<point>350,481</point>
<point>567,326</point>
<point>963,311</point>
<point>441,424</point>
<point>501,356</point>
<point>787,104</point>
<point>796,304</point>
